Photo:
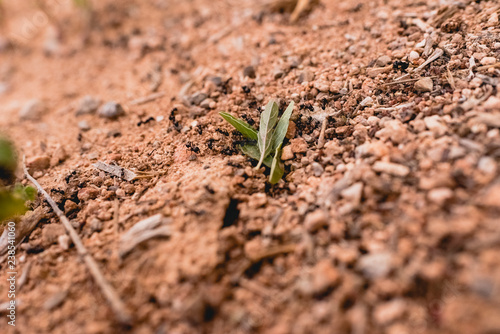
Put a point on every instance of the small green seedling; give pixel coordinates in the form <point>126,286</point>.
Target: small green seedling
<point>12,198</point>
<point>269,138</point>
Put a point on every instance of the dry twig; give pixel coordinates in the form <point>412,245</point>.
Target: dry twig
<point>109,292</point>
<point>147,99</point>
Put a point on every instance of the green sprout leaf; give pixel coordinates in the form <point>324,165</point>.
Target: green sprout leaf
<point>253,152</point>
<point>268,120</point>
<point>269,138</point>
<point>277,170</point>
<point>282,127</point>
<point>240,125</point>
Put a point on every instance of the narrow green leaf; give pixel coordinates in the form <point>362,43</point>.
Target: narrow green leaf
<point>240,125</point>
<point>267,122</point>
<point>253,152</point>
<point>277,170</point>
<point>282,127</point>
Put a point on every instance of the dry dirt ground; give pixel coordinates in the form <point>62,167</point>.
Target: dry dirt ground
<point>385,222</point>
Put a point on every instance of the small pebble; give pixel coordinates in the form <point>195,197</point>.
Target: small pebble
<point>207,103</point>
<point>87,193</point>
<point>38,163</point>
<point>298,145</point>
<point>315,220</point>
<point>324,276</point>
<point>383,61</point>
<point>391,168</point>
<point>50,233</point>
<point>111,110</point>
<point>440,195</point>
<point>63,241</point>
<point>84,125</point>
<point>488,61</point>
<point>32,110</point>
<point>249,71</point>
<point>88,105</point>
<point>375,265</point>
<point>306,76</point>
<point>287,153</point>
<point>317,169</point>
<point>387,312</point>
<point>278,72</point>
<point>424,85</point>
<point>413,56</point>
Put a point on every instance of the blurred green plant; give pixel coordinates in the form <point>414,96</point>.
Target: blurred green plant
<point>13,198</point>
<point>85,4</point>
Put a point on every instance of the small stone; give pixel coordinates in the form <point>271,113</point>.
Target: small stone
<point>315,220</point>
<point>376,265</point>
<point>88,105</point>
<point>55,300</point>
<point>197,98</point>
<point>391,168</point>
<point>487,165</point>
<point>434,124</point>
<point>120,193</point>
<point>324,277</point>
<point>488,61</point>
<point>38,163</point>
<point>492,103</point>
<point>322,86</point>
<point>317,169</point>
<point>413,56</point>
<point>84,126</point>
<point>424,85</point>
<point>278,72</point>
<point>353,193</point>
<point>493,20</point>
<point>249,71</point>
<point>257,200</point>
<point>333,148</point>
<point>50,233</point>
<point>129,189</point>
<point>490,119</point>
<point>298,145</point>
<point>58,156</point>
<point>96,225</point>
<point>440,195</point>
<point>111,110</point>
<point>490,197</point>
<point>292,129</point>
<point>390,311</point>
<point>306,76</point>
<point>63,241</point>
<point>393,130</point>
<point>367,101</point>
<point>374,148</point>
<point>88,193</point>
<point>476,82</point>
<point>287,153</point>
<point>207,103</point>
<point>70,206</point>
<point>336,86</point>
<point>383,61</point>
<point>32,110</point>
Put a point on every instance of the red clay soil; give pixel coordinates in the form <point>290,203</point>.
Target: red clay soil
<point>385,222</point>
